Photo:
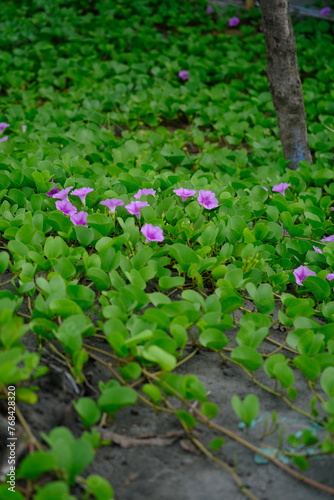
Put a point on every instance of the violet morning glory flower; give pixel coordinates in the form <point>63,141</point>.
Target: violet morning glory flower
<point>207,199</point>
<point>66,207</point>
<point>301,273</point>
<point>183,74</point>
<point>265,188</point>
<point>112,203</point>
<point>62,194</point>
<point>332,209</point>
<point>82,193</point>
<point>152,233</point>
<point>145,192</point>
<point>184,193</point>
<point>280,188</point>
<point>330,277</point>
<point>316,249</point>
<point>4,138</point>
<point>209,9</point>
<point>234,21</point>
<point>329,238</point>
<point>3,126</point>
<point>79,219</point>
<point>325,11</point>
<point>135,206</point>
<point>24,128</point>
<point>52,191</point>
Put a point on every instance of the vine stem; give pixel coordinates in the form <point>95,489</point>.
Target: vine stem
<point>271,391</point>
<point>212,425</point>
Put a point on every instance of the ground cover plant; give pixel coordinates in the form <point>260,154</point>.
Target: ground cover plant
<point>148,218</point>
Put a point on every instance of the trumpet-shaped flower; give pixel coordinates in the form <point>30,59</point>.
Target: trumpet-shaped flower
<point>152,233</point>
<point>330,277</point>
<point>184,74</point>
<point>325,11</point>
<point>184,193</point>
<point>24,128</point>
<point>135,206</point>
<point>234,21</point>
<point>207,199</point>
<point>52,191</point>
<point>112,203</point>
<point>301,273</point>
<point>62,194</point>
<point>144,192</point>
<point>209,9</point>
<point>329,238</point>
<point>4,138</point>
<point>66,207</point>
<point>318,250</point>
<point>82,193</point>
<point>280,188</point>
<point>3,126</point>
<point>79,219</point>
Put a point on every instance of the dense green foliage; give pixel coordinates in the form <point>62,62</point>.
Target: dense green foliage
<point>97,87</point>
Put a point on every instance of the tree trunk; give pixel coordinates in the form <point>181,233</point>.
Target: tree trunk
<point>284,80</point>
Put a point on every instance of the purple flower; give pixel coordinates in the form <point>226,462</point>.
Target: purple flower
<point>66,207</point>
<point>145,192</point>
<point>260,28</point>
<point>325,11</point>
<point>4,138</point>
<point>265,188</point>
<point>135,206</point>
<point>184,74</point>
<point>24,128</point>
<point>234,21</point>
<point>332,209</point>
<point>62,194</point>
<point>112,203</point>
<point>52,191</point>
<point>152,233</point>
<point>316,249</point>
<point>280,188</point>
<point>184,193</point>
<point>329,238</point>
<point>3,126</point>
<point>330,277</point>
<point>82,193</point>
<point>209,9</point>
<point>79,219</point>
<point>285,232</point>
<point>301,273</point>
<point>207,199</point>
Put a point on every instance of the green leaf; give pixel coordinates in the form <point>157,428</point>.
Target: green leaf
<point>327,381</point>
<point>165,282</point>
<point>214,339</point>
<point>36,464</point>
<point>99,487</point>
<point>186,418</point>
<point>308,366</point>
<point>164,359</point>
<point>320,288</point>
<point>248,357</point>
<point>53,491</point>
<point>248,409</point>
<point>115,398</point>
<point>88,411</point>
<point>217,443</point>
<point>210,410</point>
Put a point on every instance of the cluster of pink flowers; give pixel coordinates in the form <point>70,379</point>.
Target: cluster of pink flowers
<point>64,205</point>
